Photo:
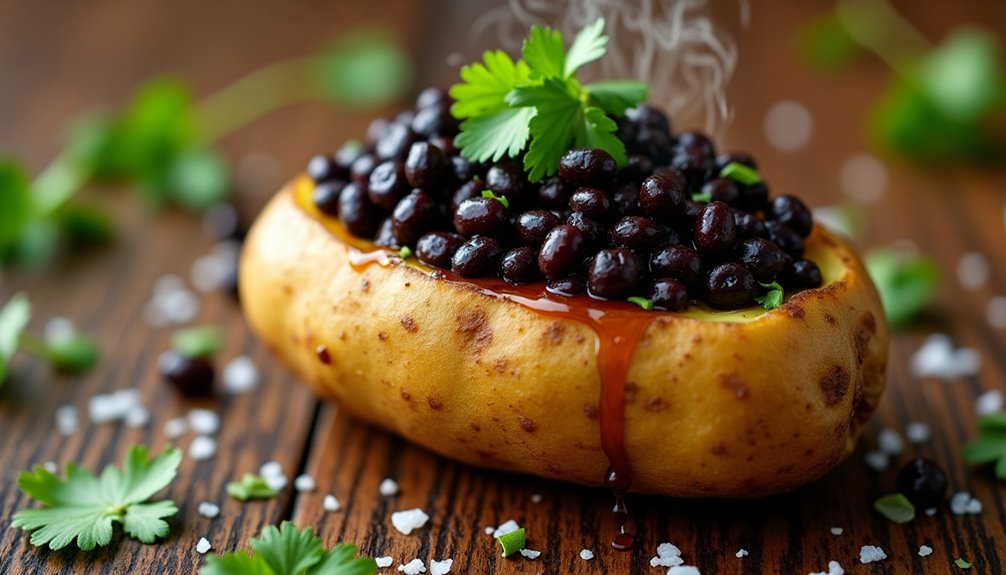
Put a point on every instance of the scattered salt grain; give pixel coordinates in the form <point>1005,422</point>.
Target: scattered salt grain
<point>240,375</point>
<point>212,271</point>
<point>137,417</point>
<point>890,442</point>
<point>833,569</point>
<point>168,283</point>
<point>50,466</point>
<point>115,406</point>
<point>989,402</point>
<point>938,358</point>
<point>303,483</point>
<point>973,270</point>
<point>490,530</point>
<point>275,482</point>
<point>962,503</point>
<point>508,526</point>
<point>931,511</point>
<point>995,312</point>
<point>925,551</point>
<point>388,487</point>
<point>876,460</point>
<point>684,570</point>
<point>536,498</point>
<point>331,504</point>
<point>440,567</point>
<point>383,562</point>
<point>204,421</point>
<point>741,553</point>
<point>668,555</point>
<point>788,126</point>
<point>67,420</point>
<point>837,530</point>
<point>863,178</point>
<point>918,433</point>
<point>871,553</point>
<point>202,448</point>
<point>586,554</point>
<point>209,510</point>
<point>175,428</point>
<point>414,567</point>
<point>179,308</point>
<point>203,546</point>
<point>272,468</point>
<point>530,553</point>
<point>409,520</point>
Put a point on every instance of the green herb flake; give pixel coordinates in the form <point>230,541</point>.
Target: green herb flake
<point>990,447</point>
<point>501,199</point>
<point>196,342</point>
<point>773,297</point>
<point>962,563</point>
<point>641,302</point>
<point>740,173</point>
<point>251,486</point>
<point>84,508</point>
<point>405,252</point>
<point>290,551</point>
<point>703,198</point>
<point>906,282</point>
<point>512,542</point>
<point>13,319</point>
<point>895,507</point>
<point>76,353</point>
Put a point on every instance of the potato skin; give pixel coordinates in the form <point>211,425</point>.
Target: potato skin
<point>713,408</point>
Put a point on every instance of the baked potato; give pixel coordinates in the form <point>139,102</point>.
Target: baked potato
<point>717,404</point>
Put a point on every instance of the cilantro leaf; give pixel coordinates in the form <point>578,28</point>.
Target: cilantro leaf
<point>289,551</point>
<point>598,131</point>
<point>906,283</point>
<point>552,127</point>
<point>589,45</point>
<point>13,318</point>
<point>990,445</point>
<point>202,341</point>
<point>772,298</point>
<point>83,507</point>
<point>251,486</point>
<point>617,96</point>
<point>484,86</point>
<point>544,53</point>
<point>492,136</point>
<point>895,507</point>
<point>15,206</point>
<point>962,563</point>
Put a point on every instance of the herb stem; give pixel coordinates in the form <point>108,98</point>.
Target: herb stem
<point>881,29</point>
<point>57,183</point>
<point>254,95</point>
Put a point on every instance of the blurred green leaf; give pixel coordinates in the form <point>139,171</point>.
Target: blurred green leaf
<point>15,206</point>
<point>76,353</point>
<point>825,43</point>
<point>197,179</point>
<point>202,341</point>
<point>906,282</point>
<point>85,225</point>
<point>365,67</point>
<point>37,243</point>
<point>964,77</point>
<point>14,317</point>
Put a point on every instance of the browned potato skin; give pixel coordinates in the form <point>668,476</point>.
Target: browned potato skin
<point>713,408</point>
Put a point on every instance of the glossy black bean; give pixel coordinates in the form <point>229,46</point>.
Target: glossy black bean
<point>679,262</point>
<point>326,196</point>
<point>414,215</point>
<point>668,294</point>
<point>697,140</point>
<point>322,168</point>
<point>385,236</point>
<point>395,141</point>
<point>730,286</point>
<point>637,168</point>
<point>387,184</point>
<point>592,202</point>
<point>563,249</point>
<point>593,231</point>
<point>649,117</point>
<point>792,212</point>
<point>376,129</point>
<point>553,194</point>
<point>714,230</point>
<point>567,286</point>
<point>532,226</point>
<point>477,257</point>
<point>481,216</point>
<point>615,273</point>
<point>626,200</point>
<point>785,237</point>
<point>763,257</point>
<point>356,212</point>
<point>639,233</point>
<point>463,170</point>
<point>434,120</point>
<point>437,248</point>
<point>468,190</point>
<point>695,164</point>
<point>426,166</point>
<point>663,196</point>
<point>802,274</point>
<point>749,226</point>
<point>191,376</point>
<point>432,96</point>
<point>520,265</point>
<point>722,190</point>
<point>923,482</point>
<point>507,178</point>
<point>361,169</point>
<point>587,167</point>
<point>754,197</point>
<point>653,144</point>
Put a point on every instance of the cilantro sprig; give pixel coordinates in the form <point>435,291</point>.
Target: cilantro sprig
<point>990,447</point>
<point>536,105</point>
<point>290,551</point>
<point>73,352</point>
<point>773,296</point>
<point>251,486</point>
<point>83,508</point>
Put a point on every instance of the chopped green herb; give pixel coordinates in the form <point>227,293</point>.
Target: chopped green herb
<point>75,353</point>
<point>512,542</point>
<point>895,507</point>
<point>773,297</point>
<point>962,563</point>
<point>990,445</point>
<point>505,105</point>
<point>251,486</point>
<point>290,551</point>
<point>641,302</point>
<point>83,507</point>
<point>13,319</point>
<point>405,252</point>
<point>703,198</point>
<point>501,199</point>
<point>907,283</point>
<point>196,342</point>
<point>740,173</point>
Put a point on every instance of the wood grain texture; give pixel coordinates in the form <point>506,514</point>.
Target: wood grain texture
<point>56,59</point>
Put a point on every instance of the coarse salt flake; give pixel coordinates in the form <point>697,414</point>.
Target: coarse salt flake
<point>50,466</point>
<point>962,503</point>
<point>271,468</point>
<point>833,569</point>
<point>331,504</point>
<point>490,530</point>
<point>388,487</point>
<point>836,530</point>
<point>202,448</point>
<point>668,555</point>
<point>876,460</point>
<point>240,375</point>
<point>871,553</point>
<point>303,483</point>
<point>741,553</point>
<point>275,482</point>
<point>409,520</point>
<point>788,126</point>
<point>925,551</point>
<point>210,510</point>
<point>684,570</point>
<point>139,416</point>
<point>973,270</point>
<point>536,498</point>
<point>384,562</point>
<point>203,546</point>
<point>918,433</point>
<point>586,554</point>
<point>67,420</point>
<point>414,567</point>
<point>106,407</point>
<point>508,526</point>
<point>938,358</point>
<point>175,428</point>
<point>990,402</point>
<point>995,312</point>
<point>204,421</point>
<point>890,442</point>
<point>530,553</point>
<point>440,567</point>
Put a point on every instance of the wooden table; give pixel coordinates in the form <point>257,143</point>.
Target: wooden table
<point>57,59</point>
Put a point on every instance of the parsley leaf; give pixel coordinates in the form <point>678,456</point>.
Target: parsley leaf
<point>990,445</point>
<point>484,86</point>
<point>617,96</point>
<point>83,507</point>
<point>598,131</point>
<point>962,563</point>
<point>589,45</point>
<point>552,127</point>
<point>492,136</point>
<point>194,342</point>
<point>251,486</point>
<point>501,199</point>
<point>772,298</point>
<point>906,282</point>
<point>13,318</point>
<point>544,53</point>
<point>289,551</point>
<point>895,507</point>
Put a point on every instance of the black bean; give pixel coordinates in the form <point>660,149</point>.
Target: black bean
<point>649,117</point>
<point>322,168</point>
<point>414,215</point>
<point>792,212</point>
<point>467,191</point>
<point>385,236</point>
<point>697,140</point>
<point>626,200</point>
<point>395,141</point>
<point>639,233</point>
<point>592,202</point>
<point>668,294</point>
<point>663,196</point>
<point>802,274</point>
<point>434,120</point>
<point>679,262</point>
<point>361,169</point>
<point>714,230</point>
<point>722,190</point>
<point>356,212</point>
<point>532,226</point>
<point>191,376</point>
<point>587,167</point>
<point>481,216</point>
<point>749,226</point>
<point>785,237</point>
<point>567,286</point>
<point>923,482</point>
<point>614,273</point>
<point>437,248</point>
<point>730,286</point>
<point>477,257</point>
<point>464,171</point>
<point>695,164</point>
<point>520,265</point>
<point>764,258</point>
<point>553,194</point>
<point>431,97</point>
<point>592,230</point>
<point>326,196</point>
<point>507,178</point>
<point>426,166</point>
<point>563,249</point>
<point>445,143</point>
<point>636,169</point>
<point>754,197</point>
<point>388,184</point>
<point>653,144</point>
<point>376,129</point>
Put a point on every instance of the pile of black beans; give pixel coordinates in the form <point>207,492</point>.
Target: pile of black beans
<point>591,229</point>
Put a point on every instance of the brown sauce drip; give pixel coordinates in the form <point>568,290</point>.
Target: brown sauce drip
<point>618,325</point>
